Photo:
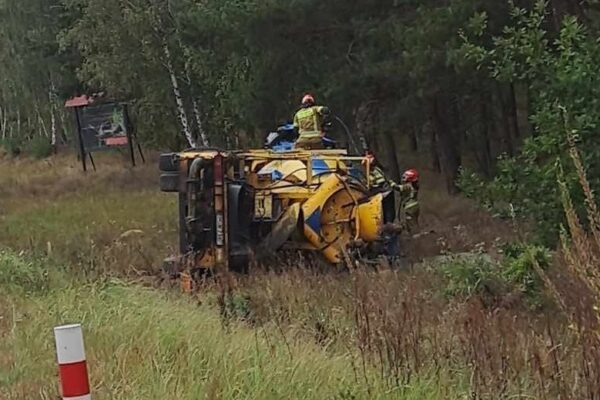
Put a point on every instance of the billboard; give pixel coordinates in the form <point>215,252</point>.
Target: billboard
<point>104,126</point>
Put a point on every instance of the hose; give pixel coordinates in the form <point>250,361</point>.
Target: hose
<point>351,142</point>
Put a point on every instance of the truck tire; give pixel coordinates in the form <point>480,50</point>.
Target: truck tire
<point>169,182</point>
<point>168,162</point>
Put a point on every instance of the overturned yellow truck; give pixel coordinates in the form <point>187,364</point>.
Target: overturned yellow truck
<point>236,207</point>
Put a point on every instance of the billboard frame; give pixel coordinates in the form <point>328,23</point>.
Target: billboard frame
<point>80,103</point>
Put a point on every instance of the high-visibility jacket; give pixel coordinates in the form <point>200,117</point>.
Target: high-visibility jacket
<point>406,204</point>
<point>378,179</point>
<point>309,122</point>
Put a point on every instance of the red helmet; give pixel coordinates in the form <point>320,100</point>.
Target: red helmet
<point>410,176</point>
<point>308,99</point>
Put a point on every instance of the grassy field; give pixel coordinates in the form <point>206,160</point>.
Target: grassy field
<point>113,220</point>
<point>147,344</point>
<point>143,343</point>
<point>82,248</point>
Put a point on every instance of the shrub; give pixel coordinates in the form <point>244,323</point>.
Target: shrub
<point>39,147</point>
<point>11,146</point>
<point>519,270</point>
<point>470,274</point>
<point>17,273</point>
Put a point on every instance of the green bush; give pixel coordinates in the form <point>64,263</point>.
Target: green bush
<point>519,268</point>
<point>20,274</point>
<point>39,147</point>
<point>12,146</point>
<point>470,274</point>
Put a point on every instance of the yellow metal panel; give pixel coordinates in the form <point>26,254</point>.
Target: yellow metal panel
<point>263,205</point>
<point>207,154</point>
<point>370,217</point>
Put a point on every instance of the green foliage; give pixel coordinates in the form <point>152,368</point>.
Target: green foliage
<point>468,274</point>
<point>458,75</point>
<point>39,147</point>
<point>11,146</point>
<point>22,275</point>
<point>564,88</point>
<point>519,268</point>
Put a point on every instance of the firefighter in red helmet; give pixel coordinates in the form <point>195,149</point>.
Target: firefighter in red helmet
<point>309,121</point>
<point>407,205</point>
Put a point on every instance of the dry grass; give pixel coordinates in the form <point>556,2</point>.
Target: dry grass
<point>112,220</point>
<point>298,334</point>
<point>400,325</point>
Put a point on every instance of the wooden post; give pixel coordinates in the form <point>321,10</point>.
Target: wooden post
<point>82,153</point>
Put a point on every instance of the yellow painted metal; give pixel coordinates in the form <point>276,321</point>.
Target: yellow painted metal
<point>283,228</point>
<point>335,204</point>
<point>370,216</point>
<point>206,154</point>
<point>314,203</point>
<point>206,259</point>
<point>344,211</point>
<point>263,205</point>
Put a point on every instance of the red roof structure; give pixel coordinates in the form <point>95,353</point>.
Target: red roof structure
<point>80,101</point>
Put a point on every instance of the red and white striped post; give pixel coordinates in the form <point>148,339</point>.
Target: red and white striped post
<point>72,365</point>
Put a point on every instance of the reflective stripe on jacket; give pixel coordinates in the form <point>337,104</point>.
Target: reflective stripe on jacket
<point>309,121</point>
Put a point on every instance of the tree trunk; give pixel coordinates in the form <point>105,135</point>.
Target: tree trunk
<point>364,120</point>
<point>53,135</point>
<point>19,124</point>
<point>485,148</point>
<point>435,153</point>
<point>526,108</point>
<point>412,137</point>
<point>195,103</point>
<point>183,119</point>
<point>506,126</point>
<point>4,119</point>
<point>41,122</point>
<point>512,111</point>
<point>188,78</point>
<point>199,125</point>
<point>450,159</point>
<point>64,135</point>
<point>393,168</point>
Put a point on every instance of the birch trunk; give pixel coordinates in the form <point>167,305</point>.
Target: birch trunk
<point>178,98</point>
<point>19,124</point>
<point>3,114</point>
<point>195,105</point>
<point>52,99</point>
<point>41,122</point>
<point>64,137</point>
<point>198,118</point>
<point>188,78</point>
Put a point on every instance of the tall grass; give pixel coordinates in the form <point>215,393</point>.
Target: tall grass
<point>453,329</point>
<point>110,221</point>
<point>146,344</point>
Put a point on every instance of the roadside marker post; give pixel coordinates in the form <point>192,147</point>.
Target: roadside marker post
<point>72,364</point>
